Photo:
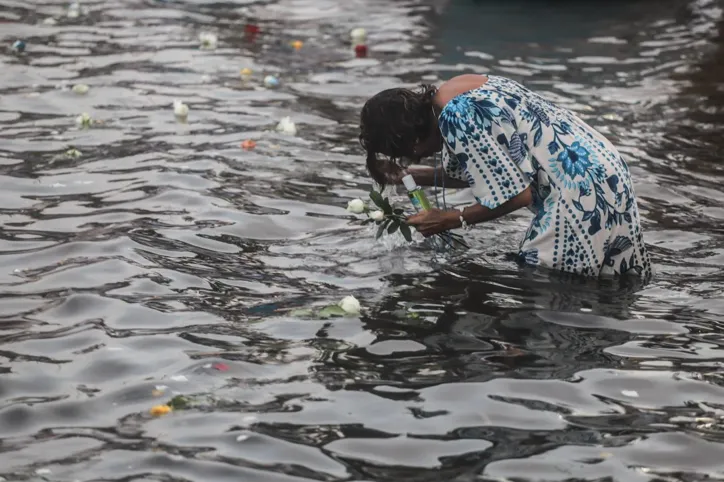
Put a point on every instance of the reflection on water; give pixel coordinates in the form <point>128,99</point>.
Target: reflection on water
<point>164,259</point>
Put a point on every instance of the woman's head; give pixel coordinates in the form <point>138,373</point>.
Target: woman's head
<point>401,125</point>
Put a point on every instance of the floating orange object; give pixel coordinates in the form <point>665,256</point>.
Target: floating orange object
<point>248,144</point>
<point>160,410</point>
<point>297,44</point>
<point>360,51</point>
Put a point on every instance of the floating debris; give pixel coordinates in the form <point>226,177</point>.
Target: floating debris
<point>350,305</point>
<point>81,89</point>
<point>222,367</point>
<point>19,46</point>
<point>50,21</point>
<point>286,126</point>
<point>179,402</point>
<point>179,378</point>
<point>208,40</point>
<point>180,109</point>
<point>42,471</point>
<point>248,144</point>
<point>160,410</point>
<point>360,51</point>
<point>242,438</point>
<point>358,36</point>
<point>245,74</point>
<point>356,206</point>
<point>271,82</point>
<point>205,79</point>
<point>630,393</point>
<point>251,29</point>
<point>84,120</point>
<point>159,389</point>
<point>297,44</point>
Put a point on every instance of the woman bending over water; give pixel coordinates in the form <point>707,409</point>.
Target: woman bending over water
<point>514,149</point>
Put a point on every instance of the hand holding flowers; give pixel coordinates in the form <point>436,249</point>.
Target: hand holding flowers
<point>434,222</point>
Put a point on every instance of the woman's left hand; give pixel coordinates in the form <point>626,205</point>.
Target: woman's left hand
<point>434,221</point>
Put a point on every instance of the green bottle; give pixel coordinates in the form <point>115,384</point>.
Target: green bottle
<point>416,194</point>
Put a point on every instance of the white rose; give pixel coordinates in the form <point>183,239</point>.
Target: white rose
<point>377,215</point>
<point>208,40</point>
<point>180,109</point>
<point>358,36</point>
<point>81,89</point>
<point>286,126</point>
<point>356,206</point>
<point>84,120</point>
<point>350,305</point>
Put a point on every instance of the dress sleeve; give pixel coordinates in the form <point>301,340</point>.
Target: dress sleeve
<point>484,140</point>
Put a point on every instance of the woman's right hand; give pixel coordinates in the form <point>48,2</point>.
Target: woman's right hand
<point>389,173</point>
<point>394,174</point>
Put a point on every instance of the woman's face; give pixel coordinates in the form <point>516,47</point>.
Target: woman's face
<point>430,145</point>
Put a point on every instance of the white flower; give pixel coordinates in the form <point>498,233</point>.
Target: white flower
<point>81,89</point>
<point>270,82</point>
<point>358,35</point>
<point>377,215</point>
<point>356,206</point>
<point>180,109</point>
<point>350,305</point>
<point>286,126</point>
<point>84,120</point>
<point>208,40</point>
<point>74,10</point>
<point>73,153</point>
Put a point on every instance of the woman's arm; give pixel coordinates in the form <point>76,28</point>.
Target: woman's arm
<point>436,221</point>
<point>425,176</point>
<point>479,213</point>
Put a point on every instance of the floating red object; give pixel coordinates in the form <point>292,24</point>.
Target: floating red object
<point>360,51</point>
<point>251,29</point>
<point>222,367</point>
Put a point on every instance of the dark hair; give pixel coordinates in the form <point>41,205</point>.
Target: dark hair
<point>392,122</point>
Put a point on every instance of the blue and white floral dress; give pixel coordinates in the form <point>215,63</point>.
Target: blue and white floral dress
<point>502,138</point>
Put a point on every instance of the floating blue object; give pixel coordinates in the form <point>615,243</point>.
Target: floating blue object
<point>19,46</point>
<point>270,82</point>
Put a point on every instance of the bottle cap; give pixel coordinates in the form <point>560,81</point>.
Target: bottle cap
<point>409,182</point>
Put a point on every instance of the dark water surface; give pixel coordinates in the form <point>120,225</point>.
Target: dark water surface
<point>165,258</point>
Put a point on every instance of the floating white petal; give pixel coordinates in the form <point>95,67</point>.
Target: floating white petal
<point>81,89</point>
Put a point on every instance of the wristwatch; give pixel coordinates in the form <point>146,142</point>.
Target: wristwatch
<point>463,223</point>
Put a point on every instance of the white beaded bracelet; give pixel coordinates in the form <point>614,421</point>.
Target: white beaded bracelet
<point>463,223</point>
